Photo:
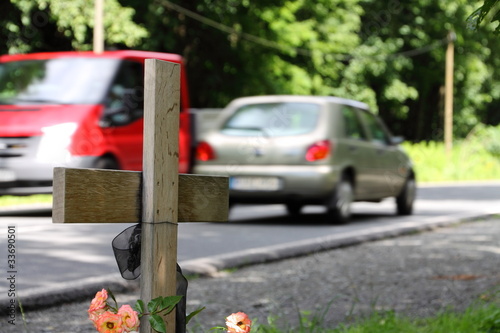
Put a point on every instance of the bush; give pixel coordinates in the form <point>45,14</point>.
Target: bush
<point>475,158</point>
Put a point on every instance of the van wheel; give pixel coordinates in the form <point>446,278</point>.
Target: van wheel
<point>340,210</point>
<point>106,163</point>
<point>406,198</point>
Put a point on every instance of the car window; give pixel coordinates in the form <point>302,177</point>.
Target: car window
<point>126,89</point>
<point>273,119</point>
<point>126,95</point>
<point>377,130</point>
<point>353,128</point>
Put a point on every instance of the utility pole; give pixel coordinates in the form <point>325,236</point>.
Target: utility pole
<point>98,26</point>
<point>448,94</point>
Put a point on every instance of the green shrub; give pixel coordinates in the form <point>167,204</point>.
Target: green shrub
<point>475,158</point>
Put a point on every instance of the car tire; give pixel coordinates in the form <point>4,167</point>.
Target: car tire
<point>293,209</point>
<point>406,198</point>
<point>106,163</point>
<point>339,212</point>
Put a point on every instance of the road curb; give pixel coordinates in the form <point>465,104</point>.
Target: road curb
<point>85,289</point>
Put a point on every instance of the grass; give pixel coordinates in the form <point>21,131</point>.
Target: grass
<point>465,162</point>
<point>482,317</point>
<point>477,157</point>
<point>10,200</point>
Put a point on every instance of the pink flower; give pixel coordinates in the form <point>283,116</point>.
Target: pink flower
<point>130,318</point>
<point>98,306</point>
<point>109,322</point>
<point>238,323</point>
<point>99,301</point>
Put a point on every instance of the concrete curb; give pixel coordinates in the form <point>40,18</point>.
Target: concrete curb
<point>85,289</point>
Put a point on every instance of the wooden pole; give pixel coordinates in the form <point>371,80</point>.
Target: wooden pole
<point>98,26</point>
<point>160,184</point>
<point>448,94</point>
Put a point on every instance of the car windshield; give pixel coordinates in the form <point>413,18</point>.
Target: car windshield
<point>273,119</point>
<point>56,81</point>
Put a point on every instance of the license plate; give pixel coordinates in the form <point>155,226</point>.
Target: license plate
<point>7,175</point>
<point>255,183</point>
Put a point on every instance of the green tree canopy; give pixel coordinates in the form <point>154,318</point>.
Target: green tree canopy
<point>390,54</point>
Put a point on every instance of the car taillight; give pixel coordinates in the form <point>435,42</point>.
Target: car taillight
<point>319,150</point>
<point>204,152</point>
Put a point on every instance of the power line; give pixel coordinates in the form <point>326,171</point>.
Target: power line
<point>288,48</point>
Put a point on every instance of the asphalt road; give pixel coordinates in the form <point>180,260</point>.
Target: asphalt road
<point>55,256</point>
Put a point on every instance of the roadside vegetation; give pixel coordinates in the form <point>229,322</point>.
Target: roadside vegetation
<point>477,157</point>
<point>482,317</point>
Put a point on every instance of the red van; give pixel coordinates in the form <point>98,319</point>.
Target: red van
<point>75,109</point>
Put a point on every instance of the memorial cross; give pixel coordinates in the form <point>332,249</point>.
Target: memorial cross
<point>158,197</point>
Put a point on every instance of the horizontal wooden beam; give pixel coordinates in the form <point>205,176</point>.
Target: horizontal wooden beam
<point>115,196</point>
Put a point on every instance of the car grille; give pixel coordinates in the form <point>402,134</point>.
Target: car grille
<point>13,146</point>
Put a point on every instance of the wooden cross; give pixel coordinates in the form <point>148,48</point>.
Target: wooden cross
<point>157,197</point>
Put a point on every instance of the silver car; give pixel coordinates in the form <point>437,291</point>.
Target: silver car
<point>307,150</point>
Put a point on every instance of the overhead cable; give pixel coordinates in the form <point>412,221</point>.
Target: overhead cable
<point>288,48</point>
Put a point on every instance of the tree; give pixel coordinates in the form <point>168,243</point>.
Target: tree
<point>389,54</point>
<point>405,45</point>
<point>54,25</point>
<point>478,16</point>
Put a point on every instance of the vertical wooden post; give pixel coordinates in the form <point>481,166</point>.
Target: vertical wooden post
<point>98,26</point>
<point>448,94</point>
<point>160,184</point>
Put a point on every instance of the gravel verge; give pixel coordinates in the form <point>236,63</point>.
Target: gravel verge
<point>416,275</point>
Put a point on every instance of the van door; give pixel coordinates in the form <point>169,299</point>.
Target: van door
<point>122,120</point>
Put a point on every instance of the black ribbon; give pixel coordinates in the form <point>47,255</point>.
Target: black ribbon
<point>127,250</point>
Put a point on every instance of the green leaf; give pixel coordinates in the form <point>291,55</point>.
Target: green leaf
<point>140,307</point>
<point>154,304</point>
<point>157,323</point>
<point>194,313</point>
<point>169,303</point>
<point>110,294</point>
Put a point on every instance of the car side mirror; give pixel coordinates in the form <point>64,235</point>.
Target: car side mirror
<point>119,117</point>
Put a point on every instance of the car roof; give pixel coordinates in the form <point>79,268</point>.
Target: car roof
<point>119,54</point>
<point>297,99</point>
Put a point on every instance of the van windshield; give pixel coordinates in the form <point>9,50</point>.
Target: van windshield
<point>273,119</point>
<point>56,81</point>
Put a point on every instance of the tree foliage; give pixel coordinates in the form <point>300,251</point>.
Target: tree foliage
<point>389,54</point>
<point>489,7</point>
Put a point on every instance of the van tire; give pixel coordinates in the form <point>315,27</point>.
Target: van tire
<point>106,163</point>
<point>339,211</point>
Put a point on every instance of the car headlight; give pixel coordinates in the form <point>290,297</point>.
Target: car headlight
<point>55,141</point>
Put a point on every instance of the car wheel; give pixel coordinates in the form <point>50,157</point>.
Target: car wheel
<point>340,210</point>
<point>106,163</point>
<point>293,209</point>
<point>405,199</point>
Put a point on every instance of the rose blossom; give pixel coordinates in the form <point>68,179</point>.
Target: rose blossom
<point>99,301</point>
<point>98,306</point>
<point>130,319</point>
<point>238,323</point>
<point>109,322</point>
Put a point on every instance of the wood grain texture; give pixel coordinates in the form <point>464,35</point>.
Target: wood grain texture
<point>160,183</point>
<point>113,196</point>
<point>96,196</point>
